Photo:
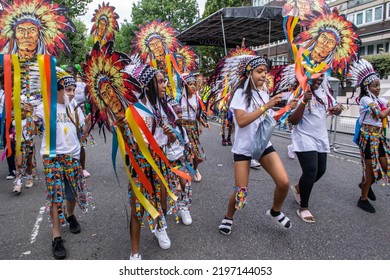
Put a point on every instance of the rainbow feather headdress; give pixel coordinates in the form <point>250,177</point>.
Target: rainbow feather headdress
<point>189,58</point>
<point>107,13</point>
<point>155,29</point>
<point>104,65</point>
<point>347,46</point>
<point>362,73</point>
<point>50,19</point>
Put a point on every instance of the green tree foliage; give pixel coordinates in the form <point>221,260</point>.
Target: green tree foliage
<point>381,63</point>
<point>123,39</point>
<point>181,13</point>
<point>78,45</point>
<point>211,55</point>
<point>76,7</point>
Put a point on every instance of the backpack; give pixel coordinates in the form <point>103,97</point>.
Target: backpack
<point>358,126</point>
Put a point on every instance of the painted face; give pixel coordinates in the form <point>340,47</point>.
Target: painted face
<point>161,84</point>
<point>27,35</point>
<point>180,64</point>
<point>156,47</point>
<point>102,26</point>
<point>303,8</point>
<point>258,75</point>
<point>325,44</point>
<point>375,87</point>
<point>111,99</point>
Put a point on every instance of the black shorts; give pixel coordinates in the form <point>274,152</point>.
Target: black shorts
<point>367,150</point>
<point>237,157</point>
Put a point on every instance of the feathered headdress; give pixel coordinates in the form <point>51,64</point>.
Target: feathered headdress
<point>155,29</point>
<point>285,79</point>
<point>104,65</point>
<point>241,51</point>
<point>230,71</point>
<point>269,82</point>
<point>362,73</point>
<point>188,57</point>
<point>303,8</point>
<point>344,31</point>
<point>140,71</point>
<point>49,18</point>
<point>106,13</point>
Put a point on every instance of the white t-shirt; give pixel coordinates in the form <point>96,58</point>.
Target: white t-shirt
<point>2,100</point>
<point>366,118</point>
<point>311,133</point>
<point>67,142</point>
<point>244,136</point>
<point>159,135</point>
<point>189,112</point>
<point>24,130</point>
<point>176,149</point>
<point>79,95</point>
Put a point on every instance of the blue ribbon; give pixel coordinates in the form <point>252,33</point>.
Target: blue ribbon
<point>53,107</point>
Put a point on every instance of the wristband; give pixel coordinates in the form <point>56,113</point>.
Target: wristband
<point>263,109</point>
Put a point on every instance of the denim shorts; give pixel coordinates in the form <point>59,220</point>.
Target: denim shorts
<point>69,195</point>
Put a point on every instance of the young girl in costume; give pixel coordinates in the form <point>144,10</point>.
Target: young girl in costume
<point>179,154</point>
<point>64,180</point>
<point>192,118</point>
<point>249,104</point>
<point>24,159</point>
<point>374,150</point>
<point>310,140</point>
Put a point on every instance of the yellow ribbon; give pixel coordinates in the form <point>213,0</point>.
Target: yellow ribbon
<point>16,101</point>
<point>144,202</point>
<point>170,76</point>
<point>42,72</point>
<point>145,150</point>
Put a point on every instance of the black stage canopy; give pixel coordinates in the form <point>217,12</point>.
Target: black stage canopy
<point>228,26</point>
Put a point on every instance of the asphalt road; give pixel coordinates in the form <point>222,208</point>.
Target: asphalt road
<point>342,231</point>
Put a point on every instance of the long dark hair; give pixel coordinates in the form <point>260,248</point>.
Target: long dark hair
<point>152,95</point>
<point>248,91</point>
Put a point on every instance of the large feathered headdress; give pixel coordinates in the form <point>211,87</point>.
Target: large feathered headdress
<point>188,56</point>
<point>304,8</point>
<point>155,29</point>
<point>285,79</point>
<point>107,13</point>
<point>362,73</point>
<point>49,18</point>
<point>104,65</point>
<point>347,40</point>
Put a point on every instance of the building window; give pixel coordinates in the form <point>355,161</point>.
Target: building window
<point>378,13</point>
<point>368,16</point>
<point>379,48</point>
<point>388,10</point>
<point>359,18</point>
<point>370,49</point>
<point>351,18</point>
<point>387,47</point>
<point>362,51</point>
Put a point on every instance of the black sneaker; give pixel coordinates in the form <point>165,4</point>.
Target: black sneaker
<point>366,206</point>
<point>59,252</point>
<point>74,225</point>
<point>371,195</point>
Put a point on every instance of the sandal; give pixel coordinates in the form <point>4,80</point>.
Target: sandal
<point>306,216</point>
<point>225,227</point>
<point>297,195</point>
<point>281,219</point>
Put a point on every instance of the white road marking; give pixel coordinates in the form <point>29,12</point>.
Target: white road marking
<point>35,231</point>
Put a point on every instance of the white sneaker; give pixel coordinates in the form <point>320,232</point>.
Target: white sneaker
<point>163,239</point>
<point>185,216</point>
<point>17,189</point>
<point>291,154</point>
<point>135,257</point>
<point>255,164</point>
<point>29,183</point>
<point>86,174</point>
